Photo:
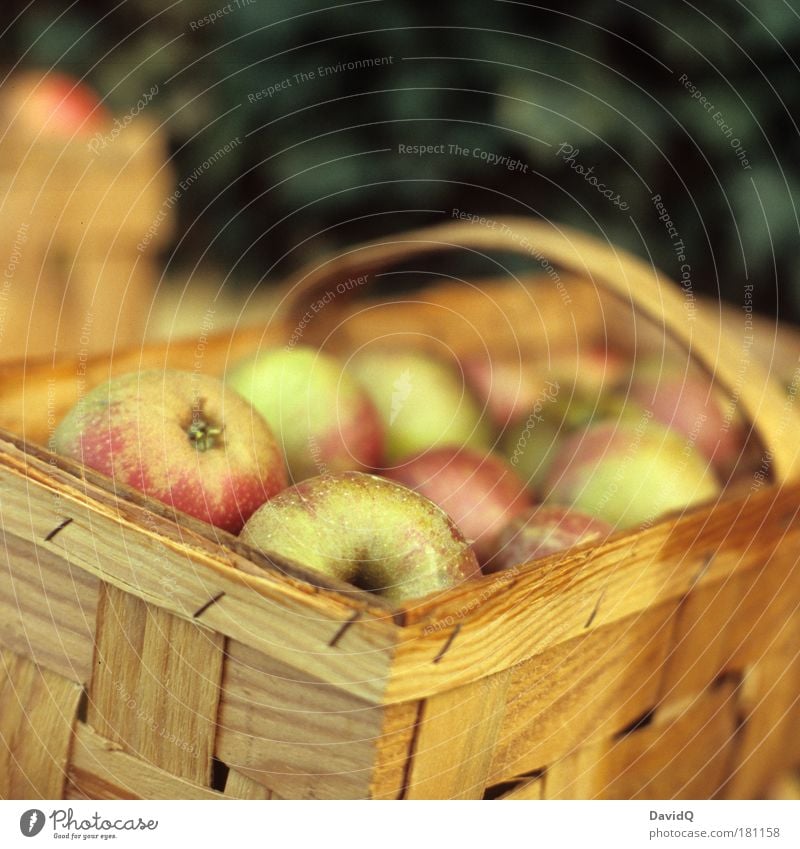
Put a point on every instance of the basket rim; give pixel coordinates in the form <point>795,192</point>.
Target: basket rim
<point>270,570</point>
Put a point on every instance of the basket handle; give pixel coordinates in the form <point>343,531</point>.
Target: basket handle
<point>613,270</point>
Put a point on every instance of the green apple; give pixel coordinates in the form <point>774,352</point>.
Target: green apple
<point>422,400</point>
<point>530,449</point>
<point>366,530</point>
<point>324,420</point>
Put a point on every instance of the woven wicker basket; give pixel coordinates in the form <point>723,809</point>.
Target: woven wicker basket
<point>143,658</point>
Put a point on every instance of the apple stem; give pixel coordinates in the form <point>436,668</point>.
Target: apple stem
<point>203,434</point>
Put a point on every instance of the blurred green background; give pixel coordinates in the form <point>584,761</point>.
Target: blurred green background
<point>318,163</point>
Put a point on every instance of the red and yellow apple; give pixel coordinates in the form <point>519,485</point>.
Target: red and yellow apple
<point>629,472</point>
<point>180,438</point>
<point>365,530</point>
<point>548,530</point>
<point>507,388</point>
<point>685,400</point>
<point>532,444</point>
<point>324,420</point>
<point>510,388</point>
<point>480,492</point>
<point>593,369</point>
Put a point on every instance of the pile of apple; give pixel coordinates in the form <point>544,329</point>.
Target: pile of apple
<point>403,473</point>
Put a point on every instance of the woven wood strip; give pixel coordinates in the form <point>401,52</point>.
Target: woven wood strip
<point>239,786</point>
<point>297,735</point>
<point>395,750</point>
<point>100,769</point>
<point>80,268</point>
<point>521,317</point>
<point>156,685</point>
<point>684,753</point>
<point>732,623</point>
<point>456,739</point>
<point>47,608</point>
<point>768,740</point>
<point>582,690</point>
<point>532,788</point>
<point>36,720</point>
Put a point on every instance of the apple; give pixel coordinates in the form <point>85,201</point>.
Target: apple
<point>366,530</point>
<point>548,530</point>
<point>480,492</point>
<point>531,445</point>
<point>54,103</point>
<point>629,472</point>
<point>422,400</point>
<point>180,438</point>
<point>510,388</point>
<point>507,388</point>
<point>324,420</point>
<point>686,401</point>
<point>592,369</point>
<point>530,448</point>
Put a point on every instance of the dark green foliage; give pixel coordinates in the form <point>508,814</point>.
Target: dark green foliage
<point>319,164</point>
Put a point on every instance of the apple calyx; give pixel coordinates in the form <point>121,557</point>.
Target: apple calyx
<point>203,433</point>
